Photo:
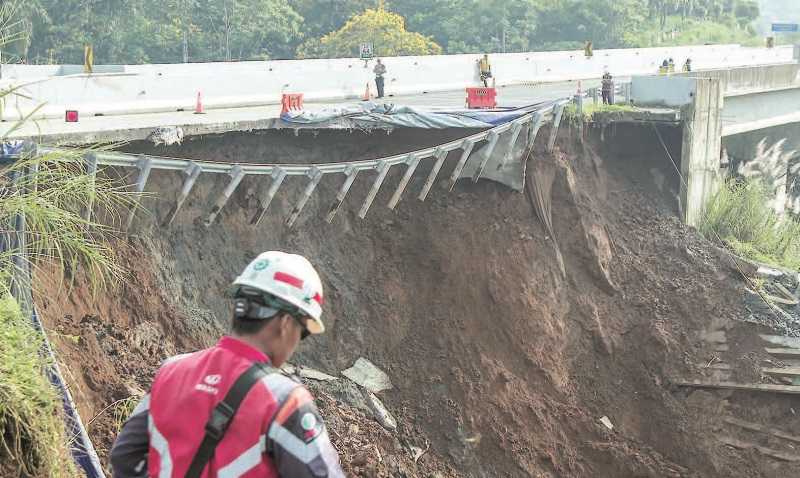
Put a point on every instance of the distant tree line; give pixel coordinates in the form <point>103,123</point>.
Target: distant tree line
<point>169,31</point>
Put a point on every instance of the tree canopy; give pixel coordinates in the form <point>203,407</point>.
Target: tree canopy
<point>385,30</point>
<point>137,31</point>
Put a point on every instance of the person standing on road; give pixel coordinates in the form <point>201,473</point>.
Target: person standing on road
<point>687,66</point>
<point>227,410</point>
<point>485,70</point>
<point>608,88</point>
<point>379,70</point>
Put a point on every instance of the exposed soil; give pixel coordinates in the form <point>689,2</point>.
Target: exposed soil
<point>503,362</point>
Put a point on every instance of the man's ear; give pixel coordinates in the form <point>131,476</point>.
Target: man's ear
<point>284,324</point>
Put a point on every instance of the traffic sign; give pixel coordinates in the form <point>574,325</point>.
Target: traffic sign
<point>785,27</point>
<point>365,51</point>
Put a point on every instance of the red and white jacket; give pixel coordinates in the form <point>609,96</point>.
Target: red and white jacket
<point>277,431</point>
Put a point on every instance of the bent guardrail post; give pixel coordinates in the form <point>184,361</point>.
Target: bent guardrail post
<point>533,130</point>
<point>559,112</point>
<point>494,137</point>
<point>192,172</point>
<point>440,155</point>
<point>412,162</point>
<point>470,144</point>
<point>91,170</point>
<point>144,164</point>
<point>511,142</point>
<point>383,169</point>
<point>278,175</point>
<point>316,175</point>
<point>351,173</point>
<point>237,173</point>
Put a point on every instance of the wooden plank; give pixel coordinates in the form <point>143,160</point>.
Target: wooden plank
<point>786,293</point>
<point>785,353</point>
<point>716,366</point>
<point>750,387</point>
<point>743,445</point>
<point>761,429</point>
<point>783,341</point>
<point>782,372</point>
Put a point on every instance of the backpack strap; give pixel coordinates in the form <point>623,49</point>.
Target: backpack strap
<point>222,415</point>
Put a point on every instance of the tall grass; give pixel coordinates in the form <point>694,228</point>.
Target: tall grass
<point>741,215</point>
<point>34,440</point>
<point>52,192</point>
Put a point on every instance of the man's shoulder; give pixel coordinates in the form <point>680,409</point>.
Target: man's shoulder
<point>280,385</point>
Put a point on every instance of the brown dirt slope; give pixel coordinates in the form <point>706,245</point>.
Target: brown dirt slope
<point>503,363</point>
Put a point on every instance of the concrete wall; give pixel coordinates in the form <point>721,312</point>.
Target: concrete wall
<point>700,153</point>
<point>667,91</point>
<point>150,88</point>
<point>759,110</point>
<point>748,80</point>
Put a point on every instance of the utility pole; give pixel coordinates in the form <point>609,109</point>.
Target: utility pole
<point>185,48</point>
<point>227,33</point>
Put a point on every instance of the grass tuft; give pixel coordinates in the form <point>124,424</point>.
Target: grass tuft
<point>740,214</point>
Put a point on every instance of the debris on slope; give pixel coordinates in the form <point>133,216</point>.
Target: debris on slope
<point>502,351</point>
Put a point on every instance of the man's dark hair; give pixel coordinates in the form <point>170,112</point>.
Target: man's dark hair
<point>246,326</point>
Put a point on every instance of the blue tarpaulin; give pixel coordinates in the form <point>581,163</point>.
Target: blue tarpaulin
<point>386,115</point>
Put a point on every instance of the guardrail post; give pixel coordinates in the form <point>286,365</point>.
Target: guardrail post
<point>468,146</point>
<point>511,142</point>
<point>237,174</point>
<point>440,155</point>
<point>559,112</point>
<point>579,108</point>
<point>412,161</point>
<point>278,175</point>
<point>487,153</point>
<point>192,172</point>
<point>350,173</point>
<point>18,244</point>
<point>316,175</point>
<point>383,169</point>
<point>144,164</point>
<point>536,124</point>
<point>91,171</point>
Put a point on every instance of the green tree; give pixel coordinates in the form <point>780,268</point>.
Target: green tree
<point>386,31</point>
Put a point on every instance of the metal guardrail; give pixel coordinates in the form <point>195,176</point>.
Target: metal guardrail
<point>192,169</point>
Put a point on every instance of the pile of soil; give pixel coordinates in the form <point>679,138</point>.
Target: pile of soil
<point>503,356</point>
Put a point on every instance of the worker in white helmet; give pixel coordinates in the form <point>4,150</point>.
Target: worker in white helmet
<point>227,410</point>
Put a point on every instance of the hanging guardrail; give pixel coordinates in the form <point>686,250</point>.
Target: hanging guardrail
<point>192,169</point>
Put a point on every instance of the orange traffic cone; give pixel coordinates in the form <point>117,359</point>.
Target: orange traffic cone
<point>366,94</point>
<point>198,107</point>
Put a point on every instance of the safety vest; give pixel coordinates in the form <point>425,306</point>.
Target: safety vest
<point>484,65</point>
<point>186,389</point>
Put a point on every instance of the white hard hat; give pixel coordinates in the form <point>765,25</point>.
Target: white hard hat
<point>290,278</point>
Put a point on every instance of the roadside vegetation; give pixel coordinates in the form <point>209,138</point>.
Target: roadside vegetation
<point>741,215</point>
<point>51,192</point>
<point>169,31</point>
<point>589,109</point>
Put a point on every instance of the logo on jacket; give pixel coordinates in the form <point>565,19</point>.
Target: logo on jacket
<point>208,385</point>
<point>312,427</point>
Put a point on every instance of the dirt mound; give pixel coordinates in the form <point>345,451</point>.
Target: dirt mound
<point>503,356</point>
